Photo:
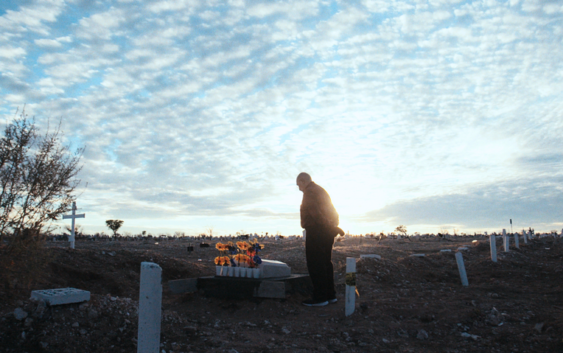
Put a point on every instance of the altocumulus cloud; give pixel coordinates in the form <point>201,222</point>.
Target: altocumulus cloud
<point>201,113</point>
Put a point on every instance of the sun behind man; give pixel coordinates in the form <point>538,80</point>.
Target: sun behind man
<point>320,220</point>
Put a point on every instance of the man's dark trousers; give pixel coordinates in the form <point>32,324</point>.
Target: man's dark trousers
<point>318,251</point>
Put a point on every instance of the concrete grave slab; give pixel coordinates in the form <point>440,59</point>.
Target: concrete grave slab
<point>179,286</point>
<point>61,296</point>
<point>370,256</point>
<point>274,269</point>
<point>241,288</point>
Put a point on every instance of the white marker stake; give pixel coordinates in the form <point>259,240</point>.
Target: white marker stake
<point>516,241</point>
<point>505,239</point>
<point>150,306</point>
<point>461,268</point>
<point>73,216</point>
<point>525,236</point>
<point>304,234</point>
<point>493,240</point>
<point>350,285</point>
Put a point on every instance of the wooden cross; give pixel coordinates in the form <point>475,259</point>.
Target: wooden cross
<point>73,216</point>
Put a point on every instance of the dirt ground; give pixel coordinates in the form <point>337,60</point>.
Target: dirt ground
<point>405,304</point>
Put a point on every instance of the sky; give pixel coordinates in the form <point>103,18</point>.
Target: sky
<point>199,115</point>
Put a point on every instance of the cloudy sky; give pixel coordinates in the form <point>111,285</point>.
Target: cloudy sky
<point>199,114</point>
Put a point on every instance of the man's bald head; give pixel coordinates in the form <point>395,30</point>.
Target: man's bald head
<point>303,179</point>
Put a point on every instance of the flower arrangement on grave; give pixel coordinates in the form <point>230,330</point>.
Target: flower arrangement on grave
<point>240,258</point>
<point>251,258</point>
<point>227,252</point>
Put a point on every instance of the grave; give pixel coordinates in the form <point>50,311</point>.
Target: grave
<point>61,295</point>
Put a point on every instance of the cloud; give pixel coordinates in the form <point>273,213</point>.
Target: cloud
<point>212,108</point>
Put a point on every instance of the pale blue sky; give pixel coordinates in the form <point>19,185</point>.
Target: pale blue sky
<point>196,114</point>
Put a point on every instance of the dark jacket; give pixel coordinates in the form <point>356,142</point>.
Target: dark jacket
<point>317,208</point>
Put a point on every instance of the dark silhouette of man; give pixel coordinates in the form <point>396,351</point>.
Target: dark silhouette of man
<point>320,220</point>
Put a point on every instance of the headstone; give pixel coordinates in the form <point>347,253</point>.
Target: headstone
<point>73,216</point>
<point>150,308</point>
<point>304,234</point>
<point>461,268</point>
<point>370,256</point>
<point>493,242</point>
<point>505,240</point>
<point>525,236</point>
<point>61,295</point>
<point>516,241</point>
<point>273,269</point>
<point>350,286</point>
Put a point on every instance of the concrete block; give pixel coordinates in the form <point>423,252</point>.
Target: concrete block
<point>270,289</point>
<point>370,256</point>
<point>274,269</point>
<point>179,286</point>
<point>61,295</point>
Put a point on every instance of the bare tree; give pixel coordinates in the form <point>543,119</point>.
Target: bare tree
<point>114,225</point>
<point>401,229</point>
<point>37,178</point>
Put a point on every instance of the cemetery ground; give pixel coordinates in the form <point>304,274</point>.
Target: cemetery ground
<point>405,304</point>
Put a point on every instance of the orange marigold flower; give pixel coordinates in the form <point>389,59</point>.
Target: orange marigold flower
<point>243,245</point>
<point>218,260</point>
<point>220,246</point>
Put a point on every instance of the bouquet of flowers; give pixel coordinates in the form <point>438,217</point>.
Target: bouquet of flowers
<point>241,257</point>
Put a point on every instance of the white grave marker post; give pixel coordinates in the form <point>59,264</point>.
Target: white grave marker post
<point>525,236</point>
<point>516,241</point>
<point>304,234</point>
<point>505,240</point>
<point>493,240</point>
<point>350,286</point>
<point>150,306</point>
<point>461,268</point>
<point>73,216</point>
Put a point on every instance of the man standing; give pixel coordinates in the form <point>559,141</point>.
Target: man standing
<point>320,220</point>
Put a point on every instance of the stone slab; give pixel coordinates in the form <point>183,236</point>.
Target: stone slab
<point>463,248</point>
<point>270,289</point>
<point>179,286</point>
<point>446,250</point>
<point>417,255</point>
<point>61,296</point>
<point>370,256</point>
<point>274,269</point>
<point>243,288</point>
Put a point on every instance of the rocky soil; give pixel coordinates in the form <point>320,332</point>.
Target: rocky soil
<point>405,304</point>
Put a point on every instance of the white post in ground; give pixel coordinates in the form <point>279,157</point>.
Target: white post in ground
<point>493,240</point>
<point>461,268</point>
<point>525,236</point>
<point>516,241</point>
<point>150,306</point>
<point>73,216</point>
<point>505,240</point>
<point>350,286</point>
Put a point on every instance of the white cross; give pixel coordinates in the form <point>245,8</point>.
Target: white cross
<point>73,216</point>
